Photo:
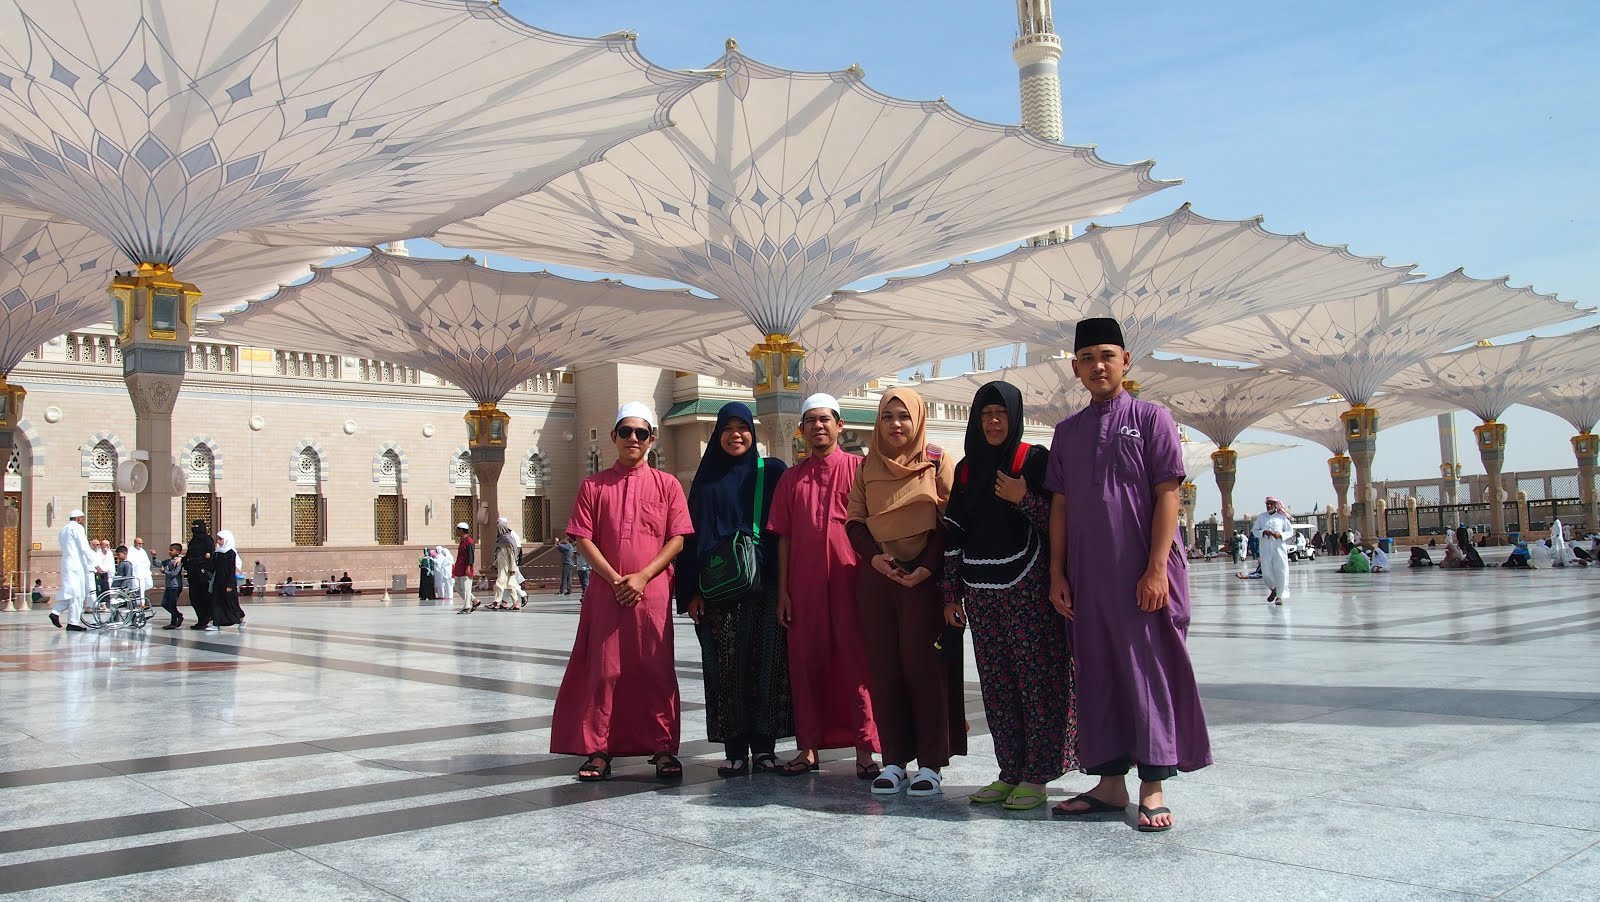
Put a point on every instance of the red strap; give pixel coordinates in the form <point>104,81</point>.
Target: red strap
<point>1016,464</point>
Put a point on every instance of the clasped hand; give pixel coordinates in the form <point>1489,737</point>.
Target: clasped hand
<point>885,564</point>
<point>630,589</point>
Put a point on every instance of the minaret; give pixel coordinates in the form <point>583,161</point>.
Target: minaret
<point>1037,51</point>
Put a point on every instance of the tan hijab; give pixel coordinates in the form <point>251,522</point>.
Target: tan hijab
<point>902,496</point>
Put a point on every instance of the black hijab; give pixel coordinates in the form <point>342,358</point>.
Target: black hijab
<point>722,502</point>
<point>986,527</point>
<point>200,543</point>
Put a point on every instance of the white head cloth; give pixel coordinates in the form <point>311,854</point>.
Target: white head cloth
<point>225,541</point>
<point>821,399</point>
<point>635,409</point>
<point>463,525</point>
<point>75,514</point>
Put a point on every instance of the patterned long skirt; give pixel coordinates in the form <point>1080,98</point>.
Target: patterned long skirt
<point>1025,668</point>
<point>746,658</point>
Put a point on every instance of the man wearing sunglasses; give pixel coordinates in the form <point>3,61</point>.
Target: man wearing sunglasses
<point>620,692</point>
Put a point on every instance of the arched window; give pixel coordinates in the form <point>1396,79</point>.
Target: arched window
<point>461,482</point>
<point>389,508</point>
<point>200,502</point>
<point>308,509</point>
<point>535,506</point>
<point>103,504</point>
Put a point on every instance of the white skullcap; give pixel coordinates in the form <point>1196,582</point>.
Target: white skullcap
<point>635,409</point>
<point>502,520</point>
<point>821,399</point>
<point>463,525</point>
<point>75,514</point>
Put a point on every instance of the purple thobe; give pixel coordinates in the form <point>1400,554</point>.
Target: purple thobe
<point>1137,697</point>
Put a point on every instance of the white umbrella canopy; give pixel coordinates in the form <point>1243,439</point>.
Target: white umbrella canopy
<point>163,124</point>
<point>1356,346</point>
<point>1488,379</point>
<point>1222,410</point>
<point>1161,280</point>
<point>1319,421</point>
<point>841,355</point>
<point>776,187</point>
<point>53,278</point>
<point>1197,455</point>
<point>1577,400</point>
<point>485,330</point>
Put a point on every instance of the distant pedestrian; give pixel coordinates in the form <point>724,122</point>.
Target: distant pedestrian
<point>462,571</point>
<point>1271,529</point>
<point>172,585</point>
<point>569,553</point>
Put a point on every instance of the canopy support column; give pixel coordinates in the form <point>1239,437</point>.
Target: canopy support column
<point>487,430</point>
<point>1492,451</point>
<point>1225,464</point>
<point>1339,470</point>
<point>1586,447</point>
<point>777,365</point>
<point>1186,500</point>
<point>1361,436</point>
<point>154,315</point>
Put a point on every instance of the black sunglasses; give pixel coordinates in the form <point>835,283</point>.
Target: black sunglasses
<point>639,432</point>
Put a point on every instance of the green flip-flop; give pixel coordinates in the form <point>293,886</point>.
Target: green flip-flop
<point>998,791</point>
<point>1025,798</point>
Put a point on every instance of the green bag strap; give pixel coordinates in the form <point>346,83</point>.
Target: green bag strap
<point>761,494</point>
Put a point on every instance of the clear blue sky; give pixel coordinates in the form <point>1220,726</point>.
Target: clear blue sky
<point>1449,134</point>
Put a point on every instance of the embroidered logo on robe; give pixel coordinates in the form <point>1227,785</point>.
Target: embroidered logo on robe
<point>1130,432</point>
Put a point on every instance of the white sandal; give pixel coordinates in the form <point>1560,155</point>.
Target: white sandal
<point>929,776</point>
<point>890,782</point>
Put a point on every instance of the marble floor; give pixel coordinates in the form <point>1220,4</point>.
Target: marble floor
<point>1415,735</point>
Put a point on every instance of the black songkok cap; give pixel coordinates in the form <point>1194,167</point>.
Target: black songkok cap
<point>1099,330</point>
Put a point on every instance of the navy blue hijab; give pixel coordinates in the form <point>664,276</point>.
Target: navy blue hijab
<point>722,500</point>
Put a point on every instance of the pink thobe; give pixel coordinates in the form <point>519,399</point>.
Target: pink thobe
<point>620,691</point>
<point>827,658</point>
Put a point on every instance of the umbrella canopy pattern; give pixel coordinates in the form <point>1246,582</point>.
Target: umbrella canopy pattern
<point>1488,379</point>
<point>1197,455</point>
<point>1051,393</point>
<point>841,356</point>
<point>1355,346</point>
<point>1161,279</point>
<point>775,187</point>
<point>1577,401</point>
<point>53,278</point>
<point>1319,421</point>
<point>483,329</point>
<point>167,123</point>
<point>1225,409</point>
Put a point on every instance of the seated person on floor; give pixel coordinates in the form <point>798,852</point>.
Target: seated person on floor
<point>1518,558</point>
<point>1380,558</point>
<point>1358,562</point>
<point>1420,557</point>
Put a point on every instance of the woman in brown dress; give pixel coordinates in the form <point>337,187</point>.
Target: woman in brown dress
<point>895,515</point>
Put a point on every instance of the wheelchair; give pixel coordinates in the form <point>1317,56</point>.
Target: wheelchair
<point>118,607</point>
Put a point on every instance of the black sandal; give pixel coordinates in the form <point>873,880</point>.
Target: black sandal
<point>1096,807</point>
<point>1150,815</point>
<point>869,771</point>
<point>589,773</point>
<point>668,767</point>
<point>767,764</point>
<point>797,767</point>
<point>740,768</point>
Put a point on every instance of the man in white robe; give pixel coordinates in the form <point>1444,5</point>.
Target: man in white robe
<point>143,571</point>
<point>1271,529</point>
<point>443,560</point>
<point>77,574</point>
<point>1561,552</point>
